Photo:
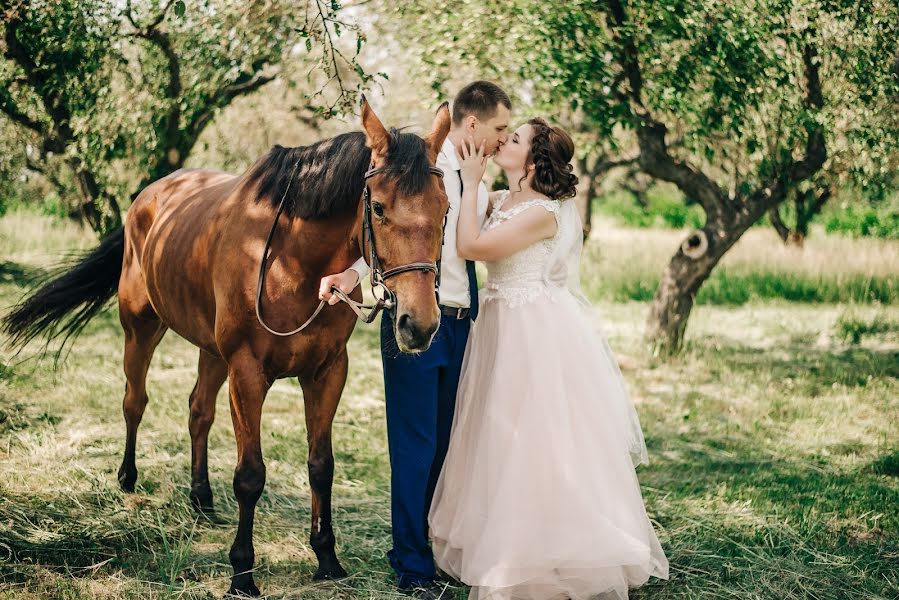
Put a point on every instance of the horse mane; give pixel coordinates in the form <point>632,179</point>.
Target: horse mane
<point>326,178</point>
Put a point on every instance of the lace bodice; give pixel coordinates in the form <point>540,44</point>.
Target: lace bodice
<point>518,279</point>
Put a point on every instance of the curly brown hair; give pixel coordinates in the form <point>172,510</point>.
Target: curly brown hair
<point>551,152</point>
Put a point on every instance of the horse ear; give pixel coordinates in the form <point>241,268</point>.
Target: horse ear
<point>376,136</point>
<point>439,131</point>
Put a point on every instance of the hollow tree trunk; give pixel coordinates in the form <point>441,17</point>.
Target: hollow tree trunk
<point>681,280</point>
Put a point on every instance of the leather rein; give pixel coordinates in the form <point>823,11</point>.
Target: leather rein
<point>378,278</point>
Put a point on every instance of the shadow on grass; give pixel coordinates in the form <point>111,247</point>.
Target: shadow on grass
<point>82,534</point>
<point>738,521</point>
<point>69,533</point>
<point>742,518</point>
<point>12,273</point>
<point>822,366</point>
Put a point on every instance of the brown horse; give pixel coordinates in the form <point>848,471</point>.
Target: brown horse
<point>186,260</point>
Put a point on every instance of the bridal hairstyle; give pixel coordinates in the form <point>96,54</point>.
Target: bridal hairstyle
<point>551,152</point>
<point>479,98</point>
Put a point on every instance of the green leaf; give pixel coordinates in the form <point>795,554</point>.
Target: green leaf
<point>179,8</point>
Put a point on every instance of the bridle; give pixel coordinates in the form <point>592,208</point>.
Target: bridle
<point>378,278</point>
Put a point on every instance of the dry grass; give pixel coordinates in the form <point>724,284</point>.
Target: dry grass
<point>759,248</point>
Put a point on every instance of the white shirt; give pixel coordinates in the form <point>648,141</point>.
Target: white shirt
<point>453,274</point>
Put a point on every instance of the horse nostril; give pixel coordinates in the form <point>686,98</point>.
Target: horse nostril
<point>404,324</point>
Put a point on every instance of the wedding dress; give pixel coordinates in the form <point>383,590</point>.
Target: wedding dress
<point>538,498</point>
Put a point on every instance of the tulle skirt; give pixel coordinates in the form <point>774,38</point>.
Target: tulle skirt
<point>538,498</point>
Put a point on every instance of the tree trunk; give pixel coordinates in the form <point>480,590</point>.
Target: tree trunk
<point>685,273</point>
<point>585,202</point>
<point>779,226</point>
<point>797,239</point>
<point>671,306</point>
<point>585,196</point>
<point>99,208</point>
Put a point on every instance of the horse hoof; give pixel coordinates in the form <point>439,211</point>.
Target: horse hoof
<point>247,590</point>
<point>127,481</point>
<point>330,572</point>
<point>202,503</point>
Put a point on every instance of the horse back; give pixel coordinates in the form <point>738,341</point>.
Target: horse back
<point>170,232</point>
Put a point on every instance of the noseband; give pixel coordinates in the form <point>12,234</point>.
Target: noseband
<point>378,278</point>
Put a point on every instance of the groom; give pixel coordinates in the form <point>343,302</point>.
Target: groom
<point>420,388</point>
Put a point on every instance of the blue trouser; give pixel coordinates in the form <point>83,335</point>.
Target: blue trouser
<point>421,399</point>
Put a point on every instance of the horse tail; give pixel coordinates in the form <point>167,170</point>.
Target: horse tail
<point>62,302</point>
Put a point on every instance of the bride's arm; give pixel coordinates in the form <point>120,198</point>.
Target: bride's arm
<point>532,225</point>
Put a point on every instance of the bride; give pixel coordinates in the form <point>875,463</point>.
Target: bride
<point>538,498</point>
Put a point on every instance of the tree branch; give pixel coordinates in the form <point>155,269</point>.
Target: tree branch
<point>9,107</point>
<point>815,147</point>
<point>153,24</point>
<point>249,85</point>
<point>604,165</point>
<point>56,138</point>
<point>777,222</point>
<point>654,158</point>
<point>820,200</point>
<point>243,86</point>
<point>162,41</point>
<point>774,192</point>
<point>310,120</point>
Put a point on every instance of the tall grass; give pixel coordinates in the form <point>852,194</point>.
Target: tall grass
<point>623,264</point>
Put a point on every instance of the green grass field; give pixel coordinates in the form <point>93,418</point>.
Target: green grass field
<point>774,443</point>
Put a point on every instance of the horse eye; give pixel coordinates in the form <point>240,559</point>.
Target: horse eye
<point>378,209</point>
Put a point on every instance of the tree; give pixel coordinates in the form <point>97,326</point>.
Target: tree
<point>755,93</point>
<point>122,94</point>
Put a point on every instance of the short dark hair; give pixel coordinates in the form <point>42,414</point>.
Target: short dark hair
<point>479,98</point>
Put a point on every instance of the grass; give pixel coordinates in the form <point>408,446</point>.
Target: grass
<point>624,264</point>
<point>663,209</point>
<point>852,327</point>
<point>774,445</point>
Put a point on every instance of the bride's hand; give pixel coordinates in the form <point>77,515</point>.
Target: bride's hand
<point>473,163</point>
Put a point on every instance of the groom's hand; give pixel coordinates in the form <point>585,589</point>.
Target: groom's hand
<point>345,282</point>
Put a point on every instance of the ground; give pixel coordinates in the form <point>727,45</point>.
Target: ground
<point>773,440</point>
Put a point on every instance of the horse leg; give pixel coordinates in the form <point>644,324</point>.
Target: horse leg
<point>142,335</point>
<point>211,374</point>
<point>321,398</point>
<point>248,386</point>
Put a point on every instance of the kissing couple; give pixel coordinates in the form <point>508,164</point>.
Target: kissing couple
<point>513,440</point>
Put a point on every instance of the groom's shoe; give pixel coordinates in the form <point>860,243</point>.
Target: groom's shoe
<point>428,591</point>
<point>447,578</point>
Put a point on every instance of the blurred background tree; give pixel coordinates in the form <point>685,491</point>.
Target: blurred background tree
<point>106,97</point>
